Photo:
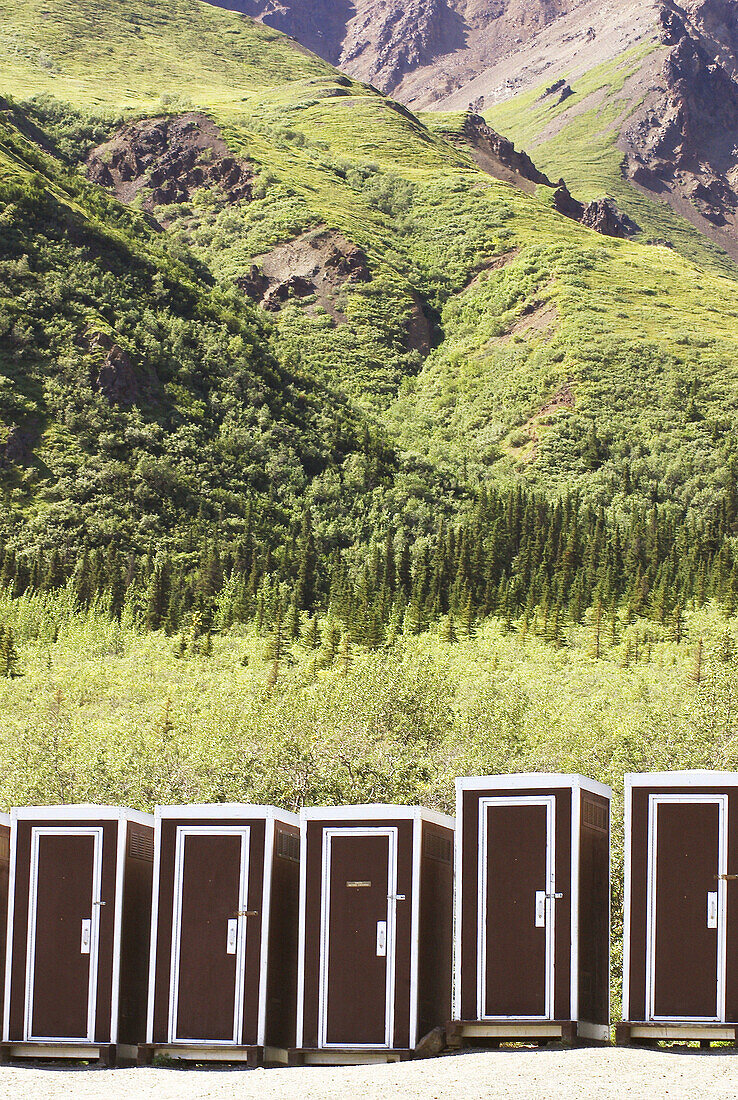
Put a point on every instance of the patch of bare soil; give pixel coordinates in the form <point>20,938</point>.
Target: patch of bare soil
<point>167,160</point>
<point>319,264</point>
<point>562,399</point>
<point>536,318</point>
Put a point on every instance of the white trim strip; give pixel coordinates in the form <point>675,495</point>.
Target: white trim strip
<point>378,812</point>
<point>86,812</point>
<point>266,908</point>
<point>627,887</point>
<point>689,778</point>
<point>10,934</point>
<point>302,908</point>
<point>414,932</point>
<point>531,781</point>
<point>458,901</point>
<point>235,810</point>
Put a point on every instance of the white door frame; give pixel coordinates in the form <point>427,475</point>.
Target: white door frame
<point>38,831</point>
<point>549,803</point>
<point>184,831</point>
<point>654,801</point>
<point>391,833</point>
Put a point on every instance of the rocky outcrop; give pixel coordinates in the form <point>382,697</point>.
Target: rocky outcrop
<point>113,373</point>
<point>602,215</point>
<point>16,449</point>
<point>165,160</point>
<point>497,155</point>
<point>682,143</point>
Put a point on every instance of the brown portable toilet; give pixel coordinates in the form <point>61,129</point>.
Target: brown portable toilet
<point>680,941</point>
<point>376,932</point>
<point>223,971</point>
<point>4,883</point>
<point>532,938</point>
<point>78,932</point>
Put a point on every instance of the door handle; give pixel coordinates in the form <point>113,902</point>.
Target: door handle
<point>86,937</point>
<point>395,897</point>
<point>381,938</point>
<point>540,908</point>
<point>232,936</point>
<point>712,909</point>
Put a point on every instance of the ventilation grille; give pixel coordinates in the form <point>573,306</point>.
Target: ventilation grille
<point>288,846</point>
<point>4,847</point>
<point>594,815</point>
<point>141,844</point>
<point>438,847</point>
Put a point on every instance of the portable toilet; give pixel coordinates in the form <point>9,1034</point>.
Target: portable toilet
<point>223,972</point>
<point>532,909</point>
<point>376,931</point>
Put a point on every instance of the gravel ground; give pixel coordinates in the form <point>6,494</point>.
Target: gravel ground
<point>525,1075</point>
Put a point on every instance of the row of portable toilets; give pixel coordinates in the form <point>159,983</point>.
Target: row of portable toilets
<point>245,933</point>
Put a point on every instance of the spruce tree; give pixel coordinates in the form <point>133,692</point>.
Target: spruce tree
<point>9,661</point>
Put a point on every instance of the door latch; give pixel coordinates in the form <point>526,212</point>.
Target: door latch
<point>726,878</point>
<point>712,909</point>
<point>395,897</point>
<point>381,938</point>
<point>86,937</point>
<point>555,896</point>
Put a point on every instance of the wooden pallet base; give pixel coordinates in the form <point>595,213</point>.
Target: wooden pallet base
<point>346,1057</point>
<point>250,1056</point>
<point>637,1033</point>
<point>105,1054</point>
<point>465,1033</point>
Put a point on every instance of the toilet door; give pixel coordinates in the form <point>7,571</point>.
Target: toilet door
<point>686,925</point>
<point>209,936</point>
<point>357,972</point>
<point>517,908</point>
<point>63,934</point>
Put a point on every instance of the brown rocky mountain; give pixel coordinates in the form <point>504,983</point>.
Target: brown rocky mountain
<point>680,136</point>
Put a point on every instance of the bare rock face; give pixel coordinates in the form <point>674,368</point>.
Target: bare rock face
<point>566,204</point>
<point>683,142</point>
<point>16,450</point>
<point>116,378</point>
<point>167,159</point>
<point>602,215</point>
<point>497,155</point>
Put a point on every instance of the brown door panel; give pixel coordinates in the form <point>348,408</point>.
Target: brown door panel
<point>516,950</point>
<point>357,976</point>
<point>61,972</point>
<point>686,950</point>
<point>207,972</point>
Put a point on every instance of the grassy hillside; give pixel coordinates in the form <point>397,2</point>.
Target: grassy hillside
<point>520,303</point>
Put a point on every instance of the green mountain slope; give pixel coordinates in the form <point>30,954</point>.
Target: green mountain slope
<point>488,337</point>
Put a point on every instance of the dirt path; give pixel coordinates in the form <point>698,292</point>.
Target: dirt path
<point>524,1075</point>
